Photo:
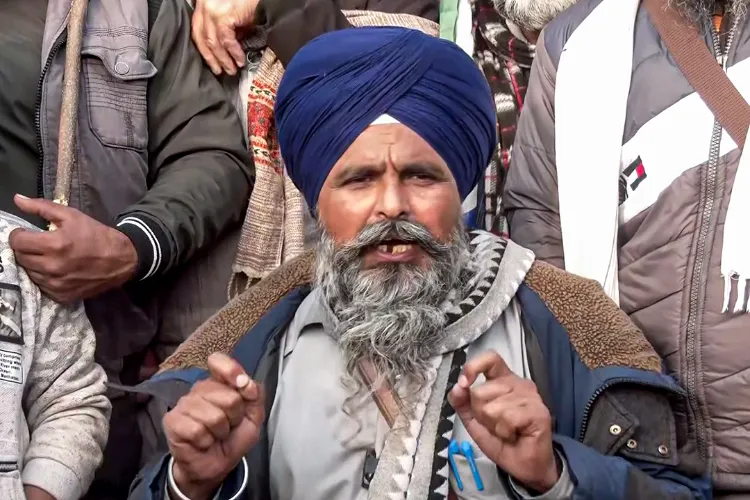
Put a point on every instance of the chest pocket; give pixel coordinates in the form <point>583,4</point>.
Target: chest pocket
<point>116,74</point>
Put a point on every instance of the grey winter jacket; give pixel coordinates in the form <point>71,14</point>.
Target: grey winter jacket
<point>161,149</point>
<point>54,412</point>
<point>669,253</point>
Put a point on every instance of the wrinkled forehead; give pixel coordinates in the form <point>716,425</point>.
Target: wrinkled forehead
<point>389,143</point>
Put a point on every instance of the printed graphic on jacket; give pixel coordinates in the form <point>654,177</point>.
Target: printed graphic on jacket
<point>10,314</point>
<point>631,178</point>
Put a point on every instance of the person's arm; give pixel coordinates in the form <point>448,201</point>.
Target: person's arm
<point>201,173</point>
<point>65,404</point>
<point>530,199</point>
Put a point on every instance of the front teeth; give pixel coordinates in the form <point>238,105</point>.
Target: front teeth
<point>395,249</point>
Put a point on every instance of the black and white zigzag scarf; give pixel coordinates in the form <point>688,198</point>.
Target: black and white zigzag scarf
<point>414,460</point>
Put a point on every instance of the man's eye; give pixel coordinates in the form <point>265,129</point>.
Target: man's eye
<point>360,179</point>
<point>421,177</point>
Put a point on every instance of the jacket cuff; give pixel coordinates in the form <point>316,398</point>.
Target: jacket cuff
<point>151,244</point>
<point>562,490</point>
<point>53,477</point>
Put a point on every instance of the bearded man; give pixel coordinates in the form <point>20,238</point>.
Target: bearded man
<point>408,358</point>
<point>499,34</point>
<point>622,174</point>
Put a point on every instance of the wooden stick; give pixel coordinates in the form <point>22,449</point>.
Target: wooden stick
<point>66,151</point>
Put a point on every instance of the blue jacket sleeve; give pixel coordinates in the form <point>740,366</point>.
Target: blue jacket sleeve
<point>612,477</point>
<point>150,482</point>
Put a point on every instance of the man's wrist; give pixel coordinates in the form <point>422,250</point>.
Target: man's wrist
<point>549,479</point>
<point>126,253</point>
<point>179,486</point>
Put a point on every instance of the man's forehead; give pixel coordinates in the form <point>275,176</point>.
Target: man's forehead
<point>391,143</point>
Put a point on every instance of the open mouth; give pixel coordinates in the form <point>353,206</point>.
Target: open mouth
<point>394,247</point>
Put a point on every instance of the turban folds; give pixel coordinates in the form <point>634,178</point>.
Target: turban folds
<point>340,82</point>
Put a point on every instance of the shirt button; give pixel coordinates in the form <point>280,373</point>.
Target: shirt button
<point>122,68</point>
<point>632,443</point>
<point>663,450</point>
<point>615,430</point>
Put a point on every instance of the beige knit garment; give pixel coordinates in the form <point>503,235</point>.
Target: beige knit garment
<point>274,229</point>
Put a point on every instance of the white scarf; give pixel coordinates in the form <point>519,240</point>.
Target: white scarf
<point>588,140</point>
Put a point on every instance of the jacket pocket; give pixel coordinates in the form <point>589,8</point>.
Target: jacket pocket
<point>116,84</point>
<point>11,486</point>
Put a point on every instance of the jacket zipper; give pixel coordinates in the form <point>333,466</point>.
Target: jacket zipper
<point>8,466</point>
<point>38,113</point>
<point>708,194</point>
<point>613,382</point>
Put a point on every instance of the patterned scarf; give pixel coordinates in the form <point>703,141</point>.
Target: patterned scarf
<point>506,62</point>
<point>274,228</point>
<point>414,464</point>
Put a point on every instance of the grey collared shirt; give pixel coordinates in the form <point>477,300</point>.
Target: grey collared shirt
<point>317,449</point>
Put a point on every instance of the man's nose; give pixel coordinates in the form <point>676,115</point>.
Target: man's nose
<point>393,202</point>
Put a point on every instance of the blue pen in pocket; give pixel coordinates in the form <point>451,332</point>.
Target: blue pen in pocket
<point>453,450</point>
<point>468,452</point>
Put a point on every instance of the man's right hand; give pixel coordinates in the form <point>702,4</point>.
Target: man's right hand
<point>213,427</point>
<point>216,26</point>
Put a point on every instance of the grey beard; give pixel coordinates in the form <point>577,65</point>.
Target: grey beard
<point>394,315</point>
<point>531,15</point>
<point>701,11</point>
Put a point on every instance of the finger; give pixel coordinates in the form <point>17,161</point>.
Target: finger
<point>459,398</point>
<point>501,415</point>
<point>492,390</point>
<point>255,408</point>
<point>210,416</point>
<point>184,429</point>
<point>49,267</point>
<point>23,241</point>
<point>490,363</point>
<point>46,209</point>
<point>228,400</point>
<point>242,439</point>
<point>228,371</point>
<point>54,288</point>
<point>199,37</point>
<point>478,432</point>
<point>212,40</point>
<point>228,39</point>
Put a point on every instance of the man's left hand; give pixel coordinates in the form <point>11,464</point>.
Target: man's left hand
<point>508,420</point>
<point>80,259</point>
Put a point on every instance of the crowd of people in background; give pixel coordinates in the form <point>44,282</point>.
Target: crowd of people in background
<point>350,249</point>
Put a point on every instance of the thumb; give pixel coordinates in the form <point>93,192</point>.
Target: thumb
<point>242,439</point>
<point>460,399</point>
<point>46,209</point>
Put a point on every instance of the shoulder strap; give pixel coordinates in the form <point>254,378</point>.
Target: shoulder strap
<point>385,399</point>
<point>701,69</point>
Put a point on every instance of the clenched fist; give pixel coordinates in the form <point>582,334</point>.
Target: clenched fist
<point>216,30</point>
<point>213,427</point>
<point>508,420</point>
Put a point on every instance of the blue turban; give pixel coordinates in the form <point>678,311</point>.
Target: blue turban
<point>340,82</point>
